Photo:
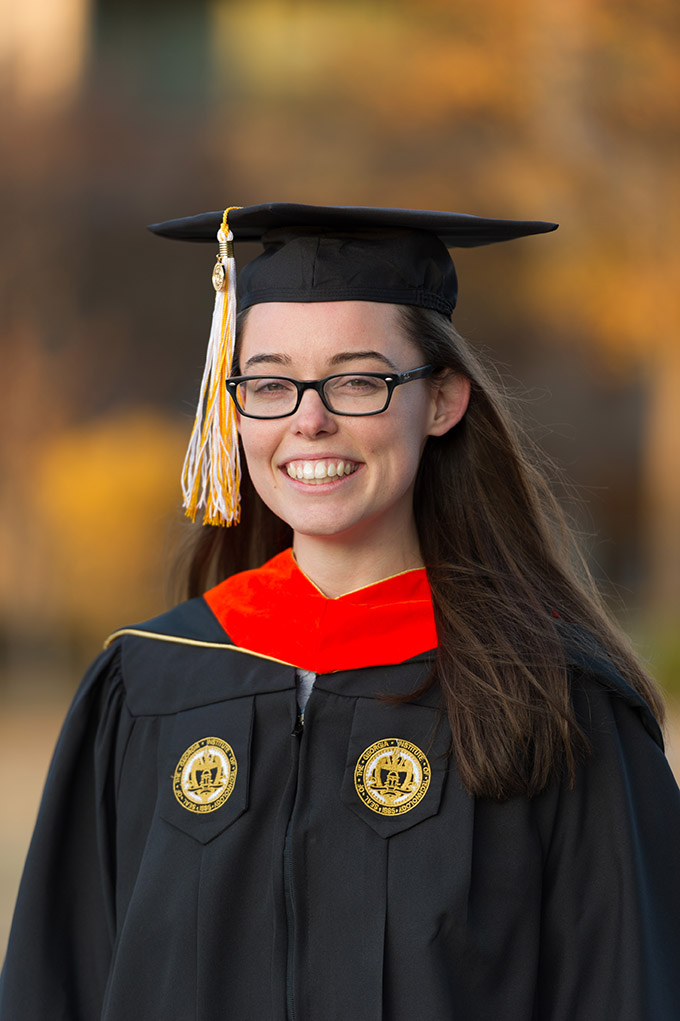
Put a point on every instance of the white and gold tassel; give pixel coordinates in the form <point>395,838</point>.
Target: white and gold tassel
<point>212,470</point>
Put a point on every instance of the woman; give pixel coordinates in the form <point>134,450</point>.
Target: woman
<point>405,769</point>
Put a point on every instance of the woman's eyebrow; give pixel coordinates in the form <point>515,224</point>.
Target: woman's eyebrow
<point>351,356</point>
<point>277,359</point>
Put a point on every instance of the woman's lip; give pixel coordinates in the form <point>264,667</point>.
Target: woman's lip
<point>318,457</point>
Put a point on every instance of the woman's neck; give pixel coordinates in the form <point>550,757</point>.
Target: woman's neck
<point>337,566</point>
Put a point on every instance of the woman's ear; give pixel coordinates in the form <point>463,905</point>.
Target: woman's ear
<point>450,400</point>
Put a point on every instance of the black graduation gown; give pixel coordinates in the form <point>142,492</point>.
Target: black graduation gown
<point>296,900</point>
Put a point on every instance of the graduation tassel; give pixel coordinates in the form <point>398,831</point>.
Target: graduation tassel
<point>212,470</point>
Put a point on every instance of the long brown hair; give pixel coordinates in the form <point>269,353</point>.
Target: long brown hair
<point>504,569</point>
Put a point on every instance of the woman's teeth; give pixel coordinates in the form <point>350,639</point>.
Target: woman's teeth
<point>318,471</point>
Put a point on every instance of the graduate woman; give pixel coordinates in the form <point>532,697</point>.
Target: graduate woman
<point>395,763</point>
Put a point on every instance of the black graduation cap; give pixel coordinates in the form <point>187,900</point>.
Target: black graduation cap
<point>311,253</point>
<point>343,253</point>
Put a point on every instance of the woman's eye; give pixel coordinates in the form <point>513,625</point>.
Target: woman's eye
<point>357,384</point>
<point>270,387</point>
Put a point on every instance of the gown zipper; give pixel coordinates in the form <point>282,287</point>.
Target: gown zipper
<point>288,889</point>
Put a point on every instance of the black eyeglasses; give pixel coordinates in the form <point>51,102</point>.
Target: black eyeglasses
<point>348,393</point>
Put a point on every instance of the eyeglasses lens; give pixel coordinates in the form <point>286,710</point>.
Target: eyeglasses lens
<point>267,398</point>
<point>356,395</point>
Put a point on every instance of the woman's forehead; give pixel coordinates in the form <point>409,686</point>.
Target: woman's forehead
<point>327,332</point>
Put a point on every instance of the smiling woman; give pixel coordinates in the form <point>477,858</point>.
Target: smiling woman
<point>391,759</point>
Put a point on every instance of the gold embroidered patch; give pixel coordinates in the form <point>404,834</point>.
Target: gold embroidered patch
<point>392,776</point>
<point>205,775</point>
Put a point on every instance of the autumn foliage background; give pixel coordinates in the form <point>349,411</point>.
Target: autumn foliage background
<point>119,113</point>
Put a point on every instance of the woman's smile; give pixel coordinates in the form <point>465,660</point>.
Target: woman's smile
<point>322,471</point>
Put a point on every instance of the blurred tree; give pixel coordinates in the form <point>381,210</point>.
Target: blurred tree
<point>43,45</point>
<point>103,498</point>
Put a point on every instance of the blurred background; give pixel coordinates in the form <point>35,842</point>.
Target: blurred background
<point>118,113</point>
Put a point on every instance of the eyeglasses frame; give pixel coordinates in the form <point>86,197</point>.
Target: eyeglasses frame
<point>392,379</point>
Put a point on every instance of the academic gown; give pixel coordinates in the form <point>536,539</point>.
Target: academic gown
<point>202,852</point>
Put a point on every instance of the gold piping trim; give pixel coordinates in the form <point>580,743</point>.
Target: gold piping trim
<point>192,641</point>
<point>353,591</point>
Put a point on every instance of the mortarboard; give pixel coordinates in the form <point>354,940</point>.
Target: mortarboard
<point>312,253</point>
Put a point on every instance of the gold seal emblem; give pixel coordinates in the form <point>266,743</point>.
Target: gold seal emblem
<point>392,776</point>
<point>205,775</point>
<point>219,276</point>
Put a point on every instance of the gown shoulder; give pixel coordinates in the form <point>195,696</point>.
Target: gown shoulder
<point>610,931</point>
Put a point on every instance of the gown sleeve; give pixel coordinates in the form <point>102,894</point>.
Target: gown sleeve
<point>610,935</point>
<point>61,938</point>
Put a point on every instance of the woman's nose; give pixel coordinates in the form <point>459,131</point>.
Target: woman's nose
<point>312,416</point>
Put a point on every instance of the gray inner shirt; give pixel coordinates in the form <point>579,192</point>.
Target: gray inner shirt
<point>305,683</point>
